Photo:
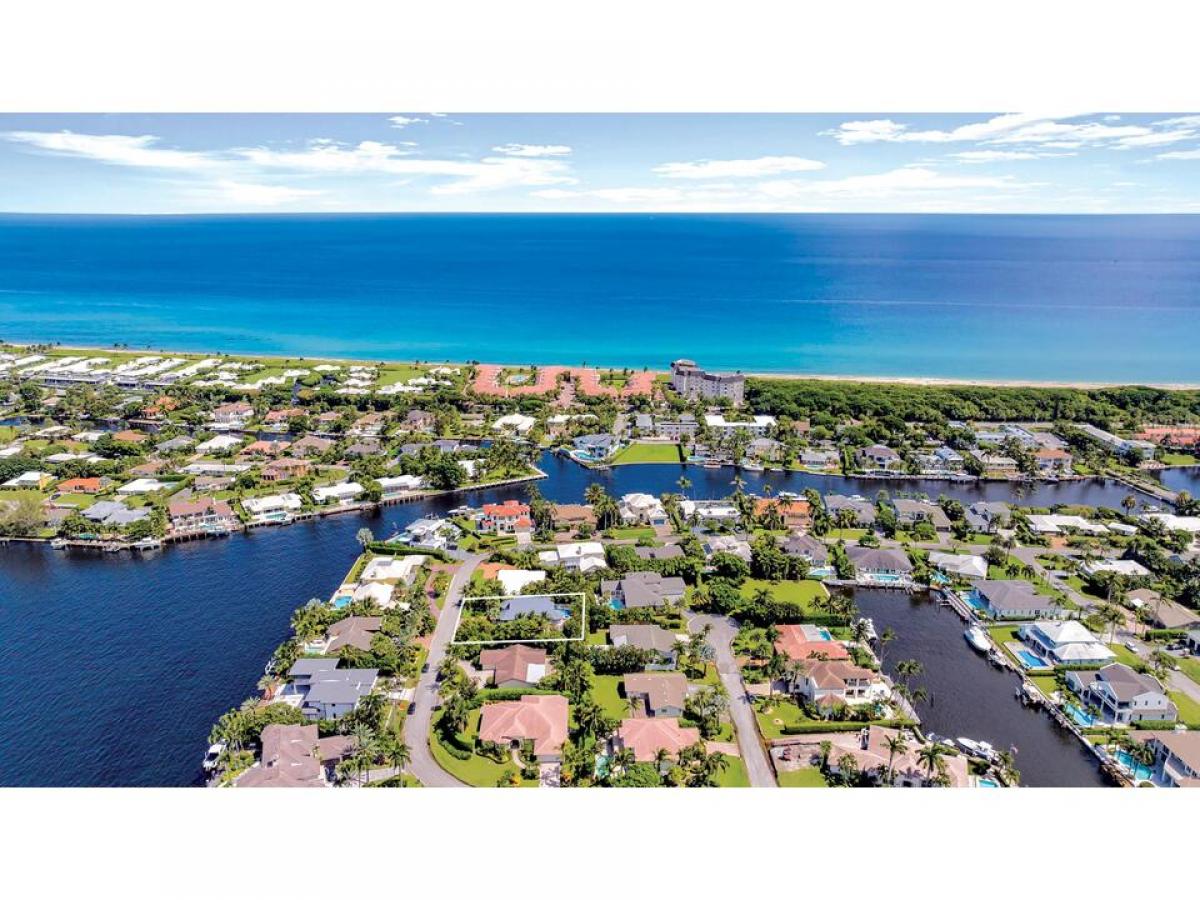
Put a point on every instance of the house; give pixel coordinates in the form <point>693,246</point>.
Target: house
<point>1122,446</point>
<point>830,683</point>
<point>289,758</point>
<point>638,590</point>
<point>352,631</point>
<point>341,494</point>
<point>263,449</point>
<point>583,556</point>
<point>1122,695</point>
<point>1007,599</point>
<point>796,514</point>
<point>142,486</point>
<point>807,547</point>
<point>393,569</point>
<point>284,470</point>
<point>642,509</point>
<point>877,457</point>
<point>754,427</point>
<point>368,425</point>
<point>174,445</point>
<point>995,463</point>
<point>1128,567</point>
<point>273,507</point>
<point>861,509</point>
<point>396,485</point>
<point>1056,524</point>
<point>596,446</point>
<point>514,666</point>
<point>868,748</point>
<point>961,565</point>
<point>515,424</point>
<point>361,449</point>
<point>206,515</point>
<point>727,543</point>
<point>1176,756</point>
<point>661,693</point>
<point>532,605</point>
<point>814,458</point>
<point>764,448</point>
<point>113,513</point>
<point>377,592</point>
<point>1164,613</point>
<point>508,517</point>
<point>646,737</point>
<point>692,382</point>
<point>572,516</point>
<point>879,561</point>
<point>323,691</point>
<point>310,445</point>
<point>234,415</point>
<point>429,534</point>
<point>947,459</point>
<point>513,581</point>
<point>669,551</point>
<point>81,486</point>
<point>1052,461</point>
<point>30,480</point>
<point>910,512</point>
<point>1065,643</point>
<point>540,719</point>
<point>709,513</point>
<point>218,444</point>
<point>652,638</point>
<point>986,516</point>
<point>798,642</point>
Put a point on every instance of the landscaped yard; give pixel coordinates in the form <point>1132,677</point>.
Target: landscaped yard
<point>648,453</point>
<point>805,593</point>
<point>606,692</point>
<point>808,777</point>
<point>1190,666</point>
<point>1125,655</point>
<point>734,776</point>
<point>1189,709</point>
<point>634,533</point>
<point>845,534</point>
<point>478,770</point>
<point>783,713</point>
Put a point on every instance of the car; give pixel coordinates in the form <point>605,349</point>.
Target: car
<point>1130,645</point>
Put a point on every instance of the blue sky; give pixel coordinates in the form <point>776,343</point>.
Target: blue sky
<point>1071,163</point>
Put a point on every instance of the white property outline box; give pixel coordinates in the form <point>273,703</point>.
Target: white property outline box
<point>558,640</point>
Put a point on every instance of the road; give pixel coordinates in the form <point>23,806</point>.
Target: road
<point>416,726</point>
<point>724,629</point>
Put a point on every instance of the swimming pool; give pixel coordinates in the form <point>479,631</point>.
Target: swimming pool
<point>1030,661</point>
<point>987,782</point>
<point>974,601</point>
<point>884,578</point>
<point>614,603</point>
<point>1139,771</point>
<point>341,602</point>
<point>1080,715</point>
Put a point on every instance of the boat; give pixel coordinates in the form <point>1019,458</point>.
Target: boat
<point>147,544</point>
<point>979,749</point>
<point>939,739</point>
<point>1029,695</point>
<point>978,639</point>
<point>213,757</point>
<point>59,544</point>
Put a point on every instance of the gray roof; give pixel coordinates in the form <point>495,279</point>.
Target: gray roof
<point>647,637</point>
<point>670,551</point>
<point>1012,595</point>
<point>312,665</point>
<point>341,686</point>
<point>640,589</point>
<point>879,558</point>
<point>1125,683</point>
<point>806,546</point>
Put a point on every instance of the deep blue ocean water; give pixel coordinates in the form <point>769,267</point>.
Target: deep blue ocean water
<point>113,668</point>
<point>1103,298</point>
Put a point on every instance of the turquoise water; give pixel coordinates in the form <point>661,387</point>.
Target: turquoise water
<point>1030,660</point>
<point>1081,716</point>
<point>1140,771</point>
<point>1023,297</point>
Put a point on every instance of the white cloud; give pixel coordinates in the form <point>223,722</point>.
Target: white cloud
<point>112,149</point>
<point>911,180</point>
<point>876,130</point>
<point>533,150</point>
<point>242,194</point>
<point>405,121</point>
<point>986,156</point>
<point>738,168</point>
<point>1180,154</point>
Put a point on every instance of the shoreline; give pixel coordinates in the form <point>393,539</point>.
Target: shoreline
<point>907,380</point>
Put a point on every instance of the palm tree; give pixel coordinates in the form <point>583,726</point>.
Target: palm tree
<point>930,755</point>
<point>884,639</point>
<point>776,666</point>
<point>683,483</point>
<point>895,744</point>
<point>401,756</point>
<point>365,537</point>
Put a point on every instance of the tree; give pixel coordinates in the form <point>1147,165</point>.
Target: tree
<point>895,744</point>
<point>365,537</point>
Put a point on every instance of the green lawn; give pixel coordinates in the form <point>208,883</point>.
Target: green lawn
<point>1190,667</point>
<point>396,374</point>
<point>805,593</point>
<point>808,777</point>
<point>478,771</point>
<point>648,453</point>
<point>735,775</point>
<point>1125,655</point>
<point>782,709</point>
<point>1047,684</point>
<point>1178,459</point>
<point>1189,709</point>
<point>636,533</point>
<point>845,534</point>
<point>606,693</point>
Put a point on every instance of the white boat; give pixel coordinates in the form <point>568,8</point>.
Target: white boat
<point>213,756</point>
<point>978,639</point>
<point>980,749</point>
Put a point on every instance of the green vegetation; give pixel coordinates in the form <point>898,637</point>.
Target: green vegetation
<point>1189,709</point>
<point>806,594</point>
<point>808,777</point>
<point>648,453</point>
<point>606,693</point>
<point>734,775</point>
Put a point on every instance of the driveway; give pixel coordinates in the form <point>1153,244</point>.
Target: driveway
<point>724,629</point>
<point>416,726</point>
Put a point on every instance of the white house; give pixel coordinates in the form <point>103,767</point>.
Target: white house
<point>1127,567</point>
<point>513,581</point>
<point>219,443</point>
<point>142,486</point>
<point>1122,695</point>
<point>1055,524</point>
<point>337,493</point>
<point>1065,643</point>
<point>273,505</point>
<point>401,569</point>
<point>581,555</point>
<point>514,423</point>
<point>641,509</point>
<point>755,426</point>
<point>710,512</point>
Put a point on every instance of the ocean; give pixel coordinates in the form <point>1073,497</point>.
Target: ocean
<point>1059,298</point>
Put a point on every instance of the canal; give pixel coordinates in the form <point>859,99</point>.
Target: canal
<point>113,668</point>
<point>968,696</point>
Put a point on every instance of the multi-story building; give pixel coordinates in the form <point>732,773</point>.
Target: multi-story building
<point>694,383</point>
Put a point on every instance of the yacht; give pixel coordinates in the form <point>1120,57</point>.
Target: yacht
<point>978,639</point>
<point>213,756</point>
<point>980,749</point>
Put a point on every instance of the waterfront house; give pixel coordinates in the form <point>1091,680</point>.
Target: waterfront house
<point>272,507</point>
<point>1065,643</point>
<point>637,590</point>
<point>660,693</point>
<point>807,547</point>
<point>987,515</point>
<point>572,516</point>
<point>766,449</point>
<point>541,719</point>
<point>862,510</point>
<point>652,638</point>
<point>1053,462</point>
<point>204,516</point>
<point>377,592</point>
<point>508,517</point>
<point>996,463</point>
<point>754,427</point>
<point>795,514</point>
<point>947,459</point>
<point>352,631</point>
<point>517,666</point>
<point>1122,695</point>
<point>393,569</point>
<point>879,563</point>
<point>878,457</point>
<point>910,512</point>
<point>339,494</point>
<point>113,513</point>
<point>646,737</point>
<point>596,447</point>
<point>1008,599</point>
<point>798,642</point>
<point>289,758</point>
<point>429,534</point>
<point>642,509</point>
<point>393,486</point>
<point>960,565</point>
<point>514,424</point>
<point>323,691</point>
<point>1176,756</point>
<point>284,470</point>
<point>828,684</point>
<point>817,458</point>
<point>582,556</point>
<point>233,415</point>
<point>869,750</point>
<point>709,513</point>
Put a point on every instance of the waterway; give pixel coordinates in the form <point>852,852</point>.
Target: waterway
<point>113,668</point>
<point>968,696</point>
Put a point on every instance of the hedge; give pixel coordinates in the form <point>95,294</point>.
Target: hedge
<point>1155,725</point>
<point>819,727</point>
<point>1165,634</point>
<point>405,550</point>
<point>493,695</point>
<point>455,749</point>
